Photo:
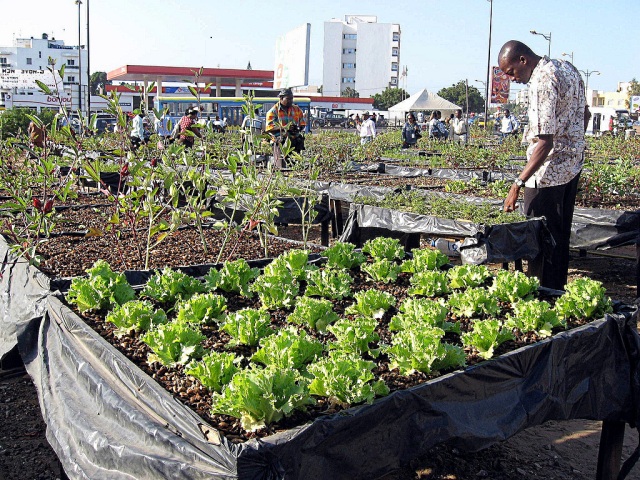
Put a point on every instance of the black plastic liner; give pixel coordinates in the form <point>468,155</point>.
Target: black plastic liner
<point>106,419</point>
<point>447,173</point>
<point>483,243</point>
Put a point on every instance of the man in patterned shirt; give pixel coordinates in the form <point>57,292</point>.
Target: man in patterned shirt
<point>188,123</point>
<point>285,119</point>
<point>558,117</point>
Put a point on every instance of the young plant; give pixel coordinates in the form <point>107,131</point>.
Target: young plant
<point>384,248</point>
<point>354,336</point>
<point>371,303</point>
<point>137,315</point>
<point>385,271</point>
<point>234,276</point>
<point>276,287</point>
<point>424,259</point>
<point>174,343</point>
<point>422,311</point>
<point>513,286</point>
<point>214,370</point>
<point>247,326</point>
<point>428,284</point>
<point>259,396</point>
<point>473,301</point>
<point>202,308</point>
<point>486,336</point>
<point>534,316</point>
<point>345,380</point>
<point>316,313</point>
<point>101,290</point>
<point>168,286</point>
<point>463,276</point>
<point>297,263</point>
<point>583,299</point>
<point>333,284</point>
<point>288,349</point>
<point>343,256</point>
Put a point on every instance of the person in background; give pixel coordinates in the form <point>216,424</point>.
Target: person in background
<point>251,127</point>
<point>189,123</point>
<point>508,125</point>
<point>37,134</point>
<point>138,135</point>
<point>285,120</point>
<point>410,132</point>
<point>367,129</point>
<point>442,128</point>
<point>459,128</point>
<point>558,117</point>
<point>434,132</point>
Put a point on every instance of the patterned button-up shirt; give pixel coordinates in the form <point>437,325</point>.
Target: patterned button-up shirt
<point>279,117</point>
<point>556,107</point>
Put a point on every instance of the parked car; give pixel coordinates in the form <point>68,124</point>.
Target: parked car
<point>329,120</point>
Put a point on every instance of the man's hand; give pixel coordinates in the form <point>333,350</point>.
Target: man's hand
<point>512,198</point>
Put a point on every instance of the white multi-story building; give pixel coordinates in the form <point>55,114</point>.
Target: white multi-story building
<point>362,54</point>
<point>28,58</point>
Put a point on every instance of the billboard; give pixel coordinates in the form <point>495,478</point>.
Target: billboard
<point>634,104</point>
<point>292,58</point>
<point>16,78</point>
<point>500,85</point>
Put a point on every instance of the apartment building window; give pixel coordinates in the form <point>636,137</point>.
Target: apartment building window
<point>394,67</point>
<point>29,61</point>
<point>394,52</point>
<point>3,61</point>
<point>348,51</point>
<point>348,80</point>
<point>71,79</point>
<point>348,65</point>
<point>39,54</point>
<point>394,81</point>
<point>350,36</point>
<point>396,37</point>
<point>71,63</point>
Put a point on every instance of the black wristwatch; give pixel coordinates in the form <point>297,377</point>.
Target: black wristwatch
<point>519,182</point>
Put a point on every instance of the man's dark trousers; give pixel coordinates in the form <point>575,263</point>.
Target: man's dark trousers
<point>556,204</point>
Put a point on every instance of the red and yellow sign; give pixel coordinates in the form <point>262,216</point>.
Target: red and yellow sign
<point>500,85</point>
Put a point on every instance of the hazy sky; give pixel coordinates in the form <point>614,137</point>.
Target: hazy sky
<point>442,41</point>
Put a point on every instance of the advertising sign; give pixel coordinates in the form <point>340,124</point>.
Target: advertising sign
<point>500,85</point>
<point>292,58</point>
<point>634,104</point>
<point>15,78</point>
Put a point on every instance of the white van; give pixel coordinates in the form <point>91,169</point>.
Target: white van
<point>605,120</point>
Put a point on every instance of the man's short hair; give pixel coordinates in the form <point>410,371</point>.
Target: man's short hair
<point>285,92</point>
<point>515,49</point>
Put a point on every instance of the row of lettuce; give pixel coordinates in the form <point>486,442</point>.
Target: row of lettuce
<point>445,315</point>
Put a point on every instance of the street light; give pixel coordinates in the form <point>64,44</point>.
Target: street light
<point>486,85</point>
<point>79,3</point>
<point>587,74</point>
<point>569,55</point>
<point>547,38</point>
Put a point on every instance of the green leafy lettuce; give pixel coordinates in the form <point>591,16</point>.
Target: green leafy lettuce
<point>371,303</point>
<point>214,370</point>
<point>486,336</point>
<point>317,313</point>
<point>174,343</point>
<point>288,349</point>
<point>100,290</point>
<point>138,315</point>
<point>247,326</point>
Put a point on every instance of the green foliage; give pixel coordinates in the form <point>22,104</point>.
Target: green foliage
<point>343,255</point>
<point>135,315</point>
<point>174,343</point>
<point>276,287</point>
<point>297,263</point>
<point>583,299</point>
<point>534,316</point>
<point>417,312</point>
<point>101,290</point>
<point>234,276</point>
<point>354,336</point>
<point>473,301</point>
<point>203,308</point>
<point>425,259</point>
<point>168,286</point>
<point>317,313</point>
<point>384,270</point>
<point>381,248</point>
<point>456,93</point>
<point>428,283</point>
<point>288,349</point>
<point>247,326</point>
<point>389,97</point>
<point>97,82</point>
<point>463,276</point>
<point>16,120</point>
<point>214,370</point>
<point>513,286</point>
<point>371,303</point>
<point>345,380</point>
<point>333,284</point>
<point>486,336</point>
<point>259,397</point>
<point>350,93</point>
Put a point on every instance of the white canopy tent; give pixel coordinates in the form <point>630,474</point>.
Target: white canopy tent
<point>422,100</point>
